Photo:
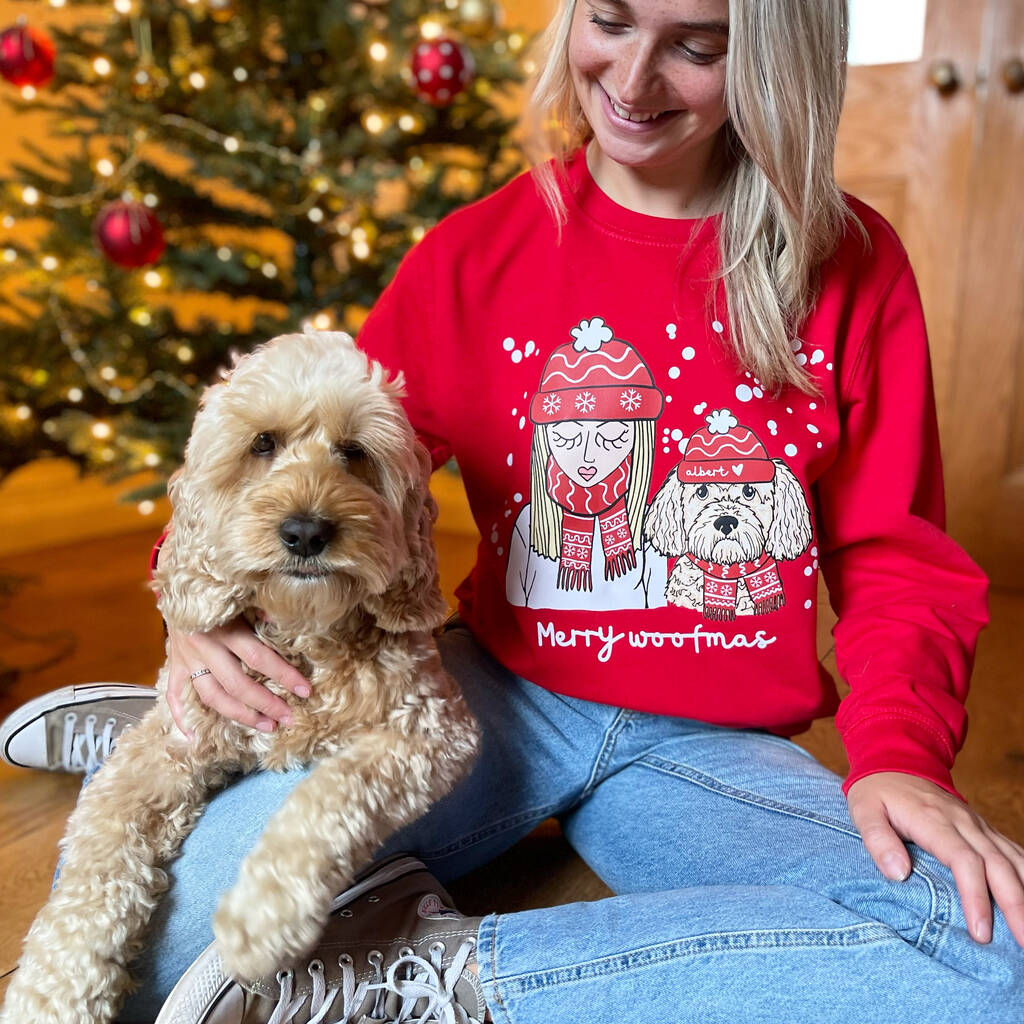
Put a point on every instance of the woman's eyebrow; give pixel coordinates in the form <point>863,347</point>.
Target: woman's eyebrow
<point>718,27</point>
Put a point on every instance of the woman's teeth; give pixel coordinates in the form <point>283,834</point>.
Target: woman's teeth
<point>632,117</point>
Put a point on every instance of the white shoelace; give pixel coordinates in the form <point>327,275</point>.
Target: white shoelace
<point>83,750</point>
<point>422,980</point>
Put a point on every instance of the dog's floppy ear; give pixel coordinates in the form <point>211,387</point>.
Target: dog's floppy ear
<point>790,532</point>
<point>191,595</point>
<point>413,599</point>
<point>664,526</point>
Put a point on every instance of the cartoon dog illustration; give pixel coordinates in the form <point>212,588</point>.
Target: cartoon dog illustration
<point>728,512</point>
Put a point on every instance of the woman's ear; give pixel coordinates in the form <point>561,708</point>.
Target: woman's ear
<point>191,594</point>
<point>790,532</point>
<point>664,525</point>
<point>413,599</point>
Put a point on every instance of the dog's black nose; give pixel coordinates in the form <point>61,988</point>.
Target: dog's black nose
<point>726,524</point>
<point>305,536</point>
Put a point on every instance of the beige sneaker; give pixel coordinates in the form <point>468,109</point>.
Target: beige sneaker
<point>72,729</point>
<point>394,950</point>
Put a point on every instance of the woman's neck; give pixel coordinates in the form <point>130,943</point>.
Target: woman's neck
<point>675,192</point>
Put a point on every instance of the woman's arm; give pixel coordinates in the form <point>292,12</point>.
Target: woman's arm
<point>910,605</point>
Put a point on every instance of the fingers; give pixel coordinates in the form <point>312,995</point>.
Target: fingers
<point>245,645</point>
<point>177,678</point>
<point>219,699</point>
<point>227,688</point>
<point>881,839</point>
<point>1004,870</point>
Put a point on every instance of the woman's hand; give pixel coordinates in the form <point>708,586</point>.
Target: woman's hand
<point>227,689</point>
<point>890,805</point>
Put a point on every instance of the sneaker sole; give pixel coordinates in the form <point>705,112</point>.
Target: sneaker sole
<point>58,700</point>
<point>205,983</point>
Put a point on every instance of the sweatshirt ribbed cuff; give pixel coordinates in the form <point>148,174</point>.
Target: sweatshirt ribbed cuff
<point>897,741</point>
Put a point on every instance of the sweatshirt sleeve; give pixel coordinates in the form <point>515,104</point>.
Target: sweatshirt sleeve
<point>910,602</point>
<point>401,333</point>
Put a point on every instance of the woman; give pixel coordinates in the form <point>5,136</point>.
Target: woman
<point>692,187</point>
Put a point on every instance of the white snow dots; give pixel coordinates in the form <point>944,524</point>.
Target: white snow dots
<point>674,372</point>
<point>812,428</point>
<point>670,330</point>
<point>508,459</point>
<point>717,326</point>
<point>773,427</point>
<point>698,409</point>
<point>517,497</point>
<point>745,393</point>
<point>808,604</point>
<point>790,450</point>
<point>514,353</point>
<point>673,437</point>
<point>688,353</point>
<point>817,357</point>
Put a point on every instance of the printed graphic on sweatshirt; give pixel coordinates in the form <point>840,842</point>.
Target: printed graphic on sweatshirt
<point>578,543</point>
<point>728,513</point>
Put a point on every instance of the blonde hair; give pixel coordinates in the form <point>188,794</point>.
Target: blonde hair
<point>546,513</point>
<point>782,212</point>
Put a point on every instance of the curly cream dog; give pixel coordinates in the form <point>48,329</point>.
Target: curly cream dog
<point>302,504</point>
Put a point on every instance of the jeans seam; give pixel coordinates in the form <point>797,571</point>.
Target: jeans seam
<point>494,829</point>
<point>500,1002</point>
<point>605,753</point>
<point>701,945</point>
<point>937,919</point>
<point>716,785</point>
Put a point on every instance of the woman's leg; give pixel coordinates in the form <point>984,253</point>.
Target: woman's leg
<point>535,760</point>
<point>773,909</point>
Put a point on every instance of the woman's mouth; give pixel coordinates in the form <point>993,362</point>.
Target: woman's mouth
<point>634,121</point>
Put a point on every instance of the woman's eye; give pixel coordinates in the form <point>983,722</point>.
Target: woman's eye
<point>607,442</point>
<point>563,441</point>
<point>263,443</point>
<point>698,56</point>
<point>608,26</point>
<point>702,491</point>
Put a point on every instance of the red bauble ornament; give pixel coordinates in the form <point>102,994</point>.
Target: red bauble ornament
<point>441,69</point>
<point>129,234</point>
<point>26,56</point>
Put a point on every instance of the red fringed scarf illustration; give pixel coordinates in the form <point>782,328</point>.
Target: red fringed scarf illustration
<point>721,584</point>
<point>605,501</point>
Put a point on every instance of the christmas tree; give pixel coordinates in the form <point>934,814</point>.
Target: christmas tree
<point>241,168</point>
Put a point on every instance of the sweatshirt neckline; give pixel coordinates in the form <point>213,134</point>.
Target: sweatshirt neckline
<point>599,206</point>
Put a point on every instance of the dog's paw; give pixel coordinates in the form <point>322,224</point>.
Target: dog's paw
<point>259,935</point>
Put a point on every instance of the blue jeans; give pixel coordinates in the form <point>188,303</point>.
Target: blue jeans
<point>745,893</point>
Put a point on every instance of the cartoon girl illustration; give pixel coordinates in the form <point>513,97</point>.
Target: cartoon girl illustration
<point>578,543</point>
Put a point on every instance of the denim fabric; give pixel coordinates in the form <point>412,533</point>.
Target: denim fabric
<point>745,892</point>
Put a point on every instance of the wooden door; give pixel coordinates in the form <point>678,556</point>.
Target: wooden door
<point>937,146</point>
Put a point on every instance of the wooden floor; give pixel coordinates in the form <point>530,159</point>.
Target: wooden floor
<point>88,599</point>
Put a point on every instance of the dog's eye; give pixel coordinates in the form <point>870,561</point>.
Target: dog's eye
<point>349,451</point>
<point>748,491</point>
<point>264,444</point>
<point>702,491</point>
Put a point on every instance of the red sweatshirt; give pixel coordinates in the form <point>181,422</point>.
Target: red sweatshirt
<point>653,522</point>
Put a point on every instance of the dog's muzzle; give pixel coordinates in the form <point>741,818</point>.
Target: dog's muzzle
<point>306,536</point>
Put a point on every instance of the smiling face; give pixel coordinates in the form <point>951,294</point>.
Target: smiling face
<point>650,77</point>
<point>588,450</point>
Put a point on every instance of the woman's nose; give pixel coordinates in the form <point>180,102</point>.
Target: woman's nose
<point>640,70</point>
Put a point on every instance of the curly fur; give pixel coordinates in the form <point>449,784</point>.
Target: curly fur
<point>773,518</point>
<point>386,726</point>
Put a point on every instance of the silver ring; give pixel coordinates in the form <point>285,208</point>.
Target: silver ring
<point>201,672</point>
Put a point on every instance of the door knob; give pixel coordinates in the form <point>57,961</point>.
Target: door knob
<point>943,76</point>
<point>1013,74</point>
